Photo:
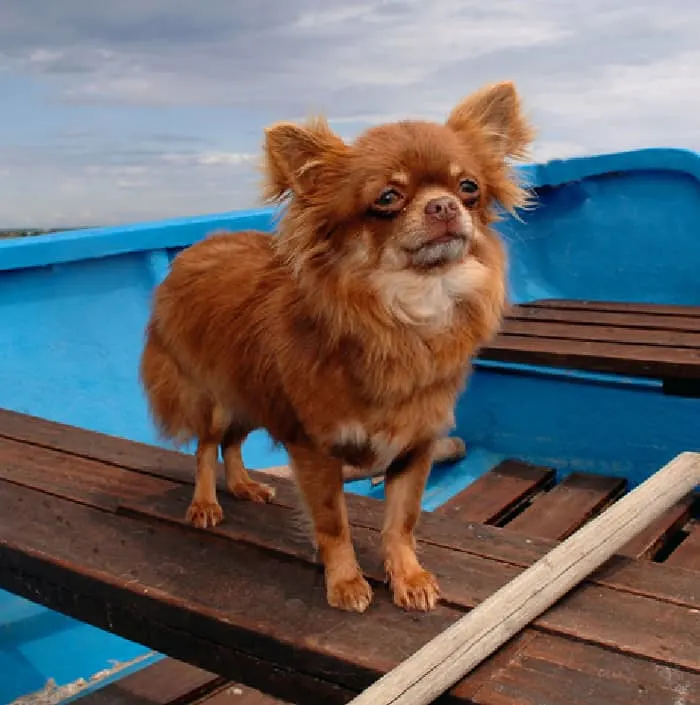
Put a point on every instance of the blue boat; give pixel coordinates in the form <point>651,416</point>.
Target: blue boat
<point>615,228</point>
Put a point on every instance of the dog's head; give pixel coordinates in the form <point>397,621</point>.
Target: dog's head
<point>409,196</point>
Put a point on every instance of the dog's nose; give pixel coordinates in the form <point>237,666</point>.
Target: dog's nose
<point>443,208</point>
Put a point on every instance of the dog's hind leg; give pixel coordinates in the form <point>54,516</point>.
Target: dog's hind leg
<point>210,423</point>
<point>205,510</point>
<point>238,482</point>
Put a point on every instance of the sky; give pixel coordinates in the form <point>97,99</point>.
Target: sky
<point>146,109</point>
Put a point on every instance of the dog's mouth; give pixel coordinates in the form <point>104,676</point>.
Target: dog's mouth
<point>439,251</point>
<point>445,239</point>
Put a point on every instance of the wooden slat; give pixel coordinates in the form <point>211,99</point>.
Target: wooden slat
<point>610,319</point>
<point>647,544</point>
<point>52,472</point>
<point>558,513</point>
<point>640,360</point>
<point>498,492</point>
<point>239,695</point>
<point>468,581</point>
<point>208,600</point>
<point>549,671</point>
<point>604,334</point>
<point>96,446</point>
<point>631,576</point>
<point>164,683</point>
<point>475,539</point>
<point>619,306</point>
<point>687,555</point>
<point>635,339</point>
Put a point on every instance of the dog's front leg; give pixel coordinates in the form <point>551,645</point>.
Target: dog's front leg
<point>413,587</point>
<point>320,480</point>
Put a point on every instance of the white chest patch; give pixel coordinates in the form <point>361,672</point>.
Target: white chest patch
<point>428,299</point>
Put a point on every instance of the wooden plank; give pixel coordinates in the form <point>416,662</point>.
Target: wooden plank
<point>611,319</point>
<point>558,513</point>
<point>648,542</point>
<point>646,579</point>
<point>108,449</point>
<point>226,607</point>
<point>51,472</point>
<point>497,492</point>
<point>597,614</point>
<point>551,671</point>
<point>163,683</point>
<point>640,360</point>
<point>207,600</point>
<point>239,695</point>
<point>452,655</point>
<point>604,334</point>
<point>687,555</point>
<point>619,306</point>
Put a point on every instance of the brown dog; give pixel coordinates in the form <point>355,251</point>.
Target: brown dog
<point>349,335</point>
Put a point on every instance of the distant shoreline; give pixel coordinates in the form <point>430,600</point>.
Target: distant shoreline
<point>29,232</point>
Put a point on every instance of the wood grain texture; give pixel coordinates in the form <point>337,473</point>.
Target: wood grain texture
<point>687,555</point>
<point>647,543</point>
<point>497,493</point>
<point>447,658</point>
<point>205,596</point>
<point>631,339</point>
<point>568,506</point>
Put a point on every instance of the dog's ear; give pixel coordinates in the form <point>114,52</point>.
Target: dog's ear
<point>495,110</point>
<point>298,157</point>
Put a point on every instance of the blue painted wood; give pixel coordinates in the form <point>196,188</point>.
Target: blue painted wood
<point>619,227</point>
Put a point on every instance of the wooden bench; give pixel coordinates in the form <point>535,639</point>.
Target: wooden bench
<point>93,526</point>
<point>640,340</point>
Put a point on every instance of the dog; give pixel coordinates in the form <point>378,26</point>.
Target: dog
<point>349,335</point>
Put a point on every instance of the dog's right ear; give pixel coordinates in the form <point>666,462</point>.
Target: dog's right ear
<point>296,157</point>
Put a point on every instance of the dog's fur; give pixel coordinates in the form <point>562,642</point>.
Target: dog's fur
<point>349,335</point>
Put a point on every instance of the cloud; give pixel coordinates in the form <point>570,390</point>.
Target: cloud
<point>182,91</point>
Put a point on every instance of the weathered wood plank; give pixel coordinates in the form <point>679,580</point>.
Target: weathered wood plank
<point>96,446</point>
<point>619,306</point>
<point>149,584</point>
<point>239,695</point>
<point>611,319</point>
<point>598,614</point>
<point>234,609</point>
<point>498,492</point>
<point>551,671</point>
<point>93,481</point>
<point>558,513</point>
<point>488,542</point>
<point>687,555</point>
<point>647,544</point>
<point>639,360</point>
<point>621,335</point>
<point>167,682</point>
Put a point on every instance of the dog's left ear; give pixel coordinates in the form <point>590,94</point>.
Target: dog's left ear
<point>297,157</point>
<point>496,112</point>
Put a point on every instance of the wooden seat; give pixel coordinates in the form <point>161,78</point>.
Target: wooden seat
<point>642,340</point>
<point>94,526</point>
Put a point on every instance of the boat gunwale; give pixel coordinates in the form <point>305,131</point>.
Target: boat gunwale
<point>100,242</point>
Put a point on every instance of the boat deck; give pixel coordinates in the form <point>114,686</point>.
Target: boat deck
<point>93,526</point>
<point>639,340</point>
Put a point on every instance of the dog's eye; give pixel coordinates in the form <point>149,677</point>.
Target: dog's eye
<point>469,191</point>
<point>389,197</point>
<point>468,187</point>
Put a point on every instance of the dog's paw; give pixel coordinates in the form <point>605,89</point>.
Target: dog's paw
<point>353,595</point>
<point>252,491</point>
<point>204,514</point>
<point>418,591</point>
